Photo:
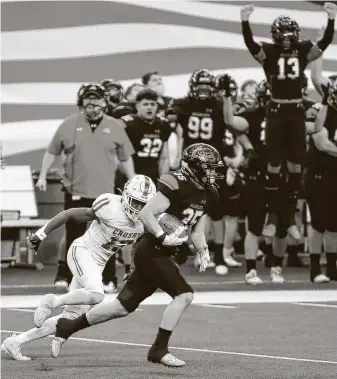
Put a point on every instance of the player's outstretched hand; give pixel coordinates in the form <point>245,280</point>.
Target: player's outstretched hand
<point>246,11</point>
<point>203,254</point>
<point>33,242</point>
<point>331,9</point>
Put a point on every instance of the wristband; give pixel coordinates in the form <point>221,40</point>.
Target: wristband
<point>41,234</point>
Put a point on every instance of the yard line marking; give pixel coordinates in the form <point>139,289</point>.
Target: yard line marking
<point>33,311</point>
<point>317,305</point>
<point>223,352</point>
<point>216,306</point>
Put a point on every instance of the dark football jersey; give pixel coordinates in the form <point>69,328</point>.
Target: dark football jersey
<point>188,203</point>
<point>319,161</point>
<point>284,69</point>
<point>120,110</point>
<point>257,135</point>
<point>148,139</point>
<point>202,121</point>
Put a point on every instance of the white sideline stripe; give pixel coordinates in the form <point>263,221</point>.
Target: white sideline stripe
<point>207,297</point>
<point>228,283</point>
<point>317,305</point>
<point>33,311</point>
<point>228,12</point>
<point>223,352</point>
<point>65,92</point>
<point>66,42</point>
<point>216,306</point>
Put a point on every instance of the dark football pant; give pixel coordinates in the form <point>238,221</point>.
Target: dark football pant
<point>256,207</point>
<point>77,229</point>
<point>321,195</point>
<point>285,133</point>
<point>153,269</point>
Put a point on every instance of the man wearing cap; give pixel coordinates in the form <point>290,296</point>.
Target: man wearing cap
<point>94,145</point>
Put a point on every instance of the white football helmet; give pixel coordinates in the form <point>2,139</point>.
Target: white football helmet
<point>137,192</point>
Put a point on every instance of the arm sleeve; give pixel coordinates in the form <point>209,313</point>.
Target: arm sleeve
<point>253,47</point>
<point>167,131</point>
<point>168,186</point>
<point>327,38</point>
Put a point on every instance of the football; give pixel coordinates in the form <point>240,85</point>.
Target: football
<point>171,225</point>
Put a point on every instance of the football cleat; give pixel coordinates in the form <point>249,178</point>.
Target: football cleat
<point>56,346</point>
<point>320,278</point>
<point>167,360</point>
<point>44,310</point>
<point>252,278</point>
<point>276,275</point>
<point>13,349</point>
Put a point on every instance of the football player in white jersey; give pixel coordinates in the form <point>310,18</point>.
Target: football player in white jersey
<point>114,224</point>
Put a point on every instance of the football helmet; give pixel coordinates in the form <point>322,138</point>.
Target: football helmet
<point>137,192</point>
<point>200,162</point>
<point>285,31</point>
<point>202,84</point>
<point>113,90</point>
<point>263,94</point>
<point>225,82</point>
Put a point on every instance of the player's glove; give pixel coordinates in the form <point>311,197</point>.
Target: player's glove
<point>230,176</point>
<point>203,254</point>
<point>224,84</point>
<point>33,241</point>
<point>172,239</point>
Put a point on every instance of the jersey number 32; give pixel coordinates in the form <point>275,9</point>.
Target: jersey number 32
<point>151,147</point>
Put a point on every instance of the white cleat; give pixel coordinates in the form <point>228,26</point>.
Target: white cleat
<point>221,270</point>
<point>269,231</point>
<point>110,288</point>
<point>321,278</point>
<point>13,349</point>
<point>276,275</point>
<point>252,278</point>
<point>231,262</point>
<point>56,346</point>
<point>44,310</point>
<point>170,360</point>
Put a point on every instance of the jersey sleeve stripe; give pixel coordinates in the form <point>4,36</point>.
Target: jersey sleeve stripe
<point>167,185</point>
<point>97,202</point>
<point>100,205</point>
<point>78,267</point>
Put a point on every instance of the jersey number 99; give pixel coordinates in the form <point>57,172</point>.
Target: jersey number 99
<point>200,128</point>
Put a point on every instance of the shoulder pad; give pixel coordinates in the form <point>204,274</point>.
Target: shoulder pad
<point>169,181</point>
<point>127,118</point>
<point>101,205</point>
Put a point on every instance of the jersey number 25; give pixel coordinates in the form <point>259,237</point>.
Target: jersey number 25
<point>200,127</point>
<point>191,216</point>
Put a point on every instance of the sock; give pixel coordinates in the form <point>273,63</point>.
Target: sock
<point>272,181</point>
<point>315,268</point>
<point>277,261</point>
<point>331,261</point>
<point>218,258</point>
<point>79,323</point>
<point>127,268</point>
<point>294,184</point>
<point>250,265</point>
<point>162,338</point>
<point>292,250</point>
<point>47,328</point>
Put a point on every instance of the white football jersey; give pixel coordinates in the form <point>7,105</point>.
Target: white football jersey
<point>111,231</point>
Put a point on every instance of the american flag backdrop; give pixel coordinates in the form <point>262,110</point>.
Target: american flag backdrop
<point>48,49</point>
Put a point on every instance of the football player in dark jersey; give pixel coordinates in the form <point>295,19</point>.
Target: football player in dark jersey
<point>185,194</point>
<point>284,62</point>
<point>321,188</point>
<point>116,107</point>
<point>149,136</point>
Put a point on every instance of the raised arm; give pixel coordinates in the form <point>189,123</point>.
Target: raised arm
<point>327,37</point>
<point>254,48</point>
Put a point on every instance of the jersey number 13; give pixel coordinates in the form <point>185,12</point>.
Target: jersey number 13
<point>288,68</point>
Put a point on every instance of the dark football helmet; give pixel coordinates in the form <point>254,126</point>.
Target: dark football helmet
<point>93,110</point>
<point>113,90</point>
<point>285,31</point>
<point>200,162</point>
<point>332,99</point>
<point>225,82</point>
<point>263,94</point>
<point>202,84</point>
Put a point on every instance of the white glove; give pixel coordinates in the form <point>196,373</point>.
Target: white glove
<point>331,10</point>
<point>246,11</point>
<point>230,176</point>
<point>172,239</point>
<point>203,254</point>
